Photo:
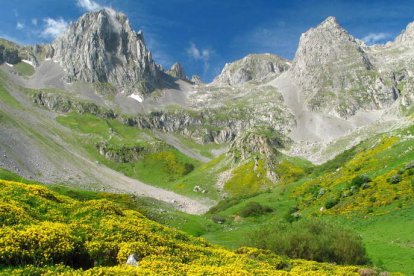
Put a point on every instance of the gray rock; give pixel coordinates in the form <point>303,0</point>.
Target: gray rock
<point>255,67</point>
<point>177,71</point>
<point>102,47</point>
<point>337,75</point>
<point>132,260</point>
<point>196,79</point>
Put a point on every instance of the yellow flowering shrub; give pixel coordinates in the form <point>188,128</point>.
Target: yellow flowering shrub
<point>11,214</point>
<point>96,237</point>
<point>337,186</point>
<point>45,243</point>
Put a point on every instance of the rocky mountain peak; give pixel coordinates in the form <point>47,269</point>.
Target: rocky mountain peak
<point>329,22</point>
<point>407,36</point>
<point>102,47</point>
<point>336,74</point>
<point>177,71</point>
<point>196,79</point>
<point>254,67</point>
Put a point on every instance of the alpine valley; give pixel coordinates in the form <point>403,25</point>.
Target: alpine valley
<point>276,167</point>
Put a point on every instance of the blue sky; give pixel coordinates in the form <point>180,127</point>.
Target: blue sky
<point>205,34</point>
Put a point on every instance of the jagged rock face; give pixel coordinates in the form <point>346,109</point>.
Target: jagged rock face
<point>406,38</point>
<point>396,59</point>
<point>177,71</point>
<point>336,74</point>
<point>252,68</point>
<point>102,47</point>
<point>196,79</point>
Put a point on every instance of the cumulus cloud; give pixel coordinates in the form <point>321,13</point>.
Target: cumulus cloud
<point>88,5</point>
<point>20,25</point>
<point>373,38</point>
<point>54,27</point>
<point>200,54</point>
<point>34,21</point>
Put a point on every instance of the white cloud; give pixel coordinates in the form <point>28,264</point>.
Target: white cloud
<point>88,5</point>
<point>34,21</point>
<point>54,27</point>
<point>373,38</point>
<point>20,25</point>
<point>200,54</point>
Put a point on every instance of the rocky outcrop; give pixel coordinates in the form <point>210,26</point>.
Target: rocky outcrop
<point>102,47</point>
<point>121,154</point>
<point>406,38</point>
<point>255,67</point>
<point>177,71</point>
<point>127,154</point>
<point>61,103</point>
<point>396,60</point>
<point>337,75</point>
<point>260,143</point>
<point>195,79</point>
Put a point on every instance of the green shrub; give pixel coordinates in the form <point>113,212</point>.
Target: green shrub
<point>331,203</point>
<point>312,240</point>
<point>360,179</point>
<point>254,209</point>
<point>395,179</point>
<point>292,215</point>
<point>229,202</point>
<point>218,219</point>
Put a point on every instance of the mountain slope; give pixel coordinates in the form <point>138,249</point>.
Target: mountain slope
<point>84,237</point>
<point>368,188</point>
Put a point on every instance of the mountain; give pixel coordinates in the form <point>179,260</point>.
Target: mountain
<point>269,142</point>
<point>177,71</point>
<point>102,47</point>
<point>337,75</point>
<point>255,67</point>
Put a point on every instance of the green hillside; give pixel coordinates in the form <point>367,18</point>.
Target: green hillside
<point>46,232</point>
<point>368,188</point>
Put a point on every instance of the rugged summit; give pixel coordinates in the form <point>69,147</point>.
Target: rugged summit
<point>255,67</point>
<point>177,71</point>
<point>336,74</point>
<point>102,47</point>
<point>406,37</point>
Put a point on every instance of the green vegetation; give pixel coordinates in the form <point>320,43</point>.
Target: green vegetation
<point>158,163</point>
<point>44,232</point>
<point>312,240</point>
<point>359,180</point>
<point>6,98</point>
<point>247,179</point>
<point>203,149</point>
<point>353,190</point>
<point>255,209</point>
<point>24,69</point>
<point>7,175</point>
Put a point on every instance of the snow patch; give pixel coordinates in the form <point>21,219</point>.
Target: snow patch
<point>136,97</point>
<point>47,59</point>
<point>8,64</point>
<point>28,62</point>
